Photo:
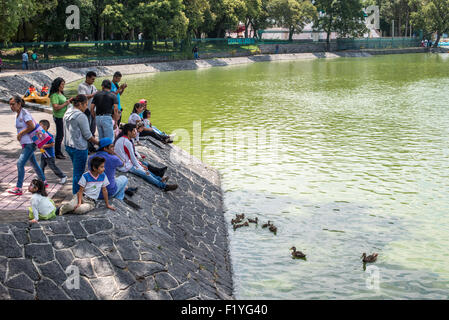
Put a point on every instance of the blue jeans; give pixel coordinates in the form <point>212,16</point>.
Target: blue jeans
<point>24,65</point>
<point>79,159</point>
<point>121,183</point>
<point>105,127</point>
<point>151,178</point>
<point>28,154</point>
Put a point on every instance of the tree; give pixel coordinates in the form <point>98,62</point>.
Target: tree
<point>343,16</point>
<point>15,15</point>
<point>10,18</point>
<point>253,10</point>
<point>432,16</point>
<point>262,20</point>
<point>226,15</point>
<point>292,14</point>
<point>195,11</point>
<point>163,18</point>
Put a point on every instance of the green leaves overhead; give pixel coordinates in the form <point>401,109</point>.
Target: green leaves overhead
<point>292,14</point>
<point>432,16</point>
<point>343,16</point>
<point>44,20</point>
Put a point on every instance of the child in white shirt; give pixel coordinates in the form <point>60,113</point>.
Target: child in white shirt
<point>91,184</point>
<point>42,207</point>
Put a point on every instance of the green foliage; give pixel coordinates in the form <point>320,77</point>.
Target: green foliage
<point>44,20</point>
<point>343,16</point>
<point>196,12</point>
<point>432,16</point>
<point>292,14</point>
<point>15,12</point>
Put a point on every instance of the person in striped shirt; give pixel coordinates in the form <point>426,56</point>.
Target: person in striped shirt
<point>91,184</point>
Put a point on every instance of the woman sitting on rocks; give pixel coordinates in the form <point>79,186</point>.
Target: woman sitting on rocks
<point>125,149</point>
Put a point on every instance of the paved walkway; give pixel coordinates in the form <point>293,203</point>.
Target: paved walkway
<point>11,72</point>
<point>14,208</point>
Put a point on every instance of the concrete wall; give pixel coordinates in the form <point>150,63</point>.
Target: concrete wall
<point>297,48</point>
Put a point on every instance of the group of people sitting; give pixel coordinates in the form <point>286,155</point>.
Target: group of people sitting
<point>32,89</point>
<point>77,119</point>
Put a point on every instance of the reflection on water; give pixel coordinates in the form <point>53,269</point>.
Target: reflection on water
<point>358,164</point>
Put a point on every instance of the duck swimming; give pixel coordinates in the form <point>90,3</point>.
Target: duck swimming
<point>370,258</point>
<point>256,221</point>
<point>266,224</point>
<point>236,226</point>
<point>234,221</point>
<point>297,254</point>
<point>273,229</point>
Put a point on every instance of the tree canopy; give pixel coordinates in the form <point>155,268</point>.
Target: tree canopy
<point>44,20</point>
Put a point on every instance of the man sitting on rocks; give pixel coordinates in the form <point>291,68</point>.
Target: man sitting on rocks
<point>125,149</point>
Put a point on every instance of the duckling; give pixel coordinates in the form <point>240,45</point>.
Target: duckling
<point>235,221</point>
<point>297,254</point>
<point>238,218</point>
<point>266,224</point>
<point>273,229</point>
<point>236,226</point>
<point>370,258</point>
<point>256,221</point>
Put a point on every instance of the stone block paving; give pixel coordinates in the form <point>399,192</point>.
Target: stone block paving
<point>174,247</point>
<point>8,180</point>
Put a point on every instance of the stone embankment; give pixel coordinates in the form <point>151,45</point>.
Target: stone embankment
<point>174,247</point>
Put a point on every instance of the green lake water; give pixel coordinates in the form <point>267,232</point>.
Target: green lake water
<point>345,156</point>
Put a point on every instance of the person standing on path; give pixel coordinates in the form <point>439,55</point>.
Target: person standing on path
<point>24,124</point>
<point>1,64</point>
<point>104,108</point>
<point>35,60</point>
<point>59,104</point>
<point>76,135</point>
<point>195,52</point>
<point>88,89</point>
<point>25,60</point>
<point>118,91</point>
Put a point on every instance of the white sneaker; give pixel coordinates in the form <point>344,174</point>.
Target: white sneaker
<point>63,180</point>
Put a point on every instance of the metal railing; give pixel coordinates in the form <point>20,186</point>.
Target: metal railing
<point>168,49</point>
<point>377,43</point>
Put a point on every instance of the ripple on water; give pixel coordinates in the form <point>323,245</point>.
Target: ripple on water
<point>354,145</point>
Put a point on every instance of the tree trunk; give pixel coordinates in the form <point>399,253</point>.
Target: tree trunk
<point>290,33</point>
<point>328,34</point>
<point>406,24</point>
<point>148,46</point>
<point>246,28</point>
<point>435,45</point>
